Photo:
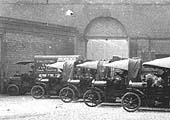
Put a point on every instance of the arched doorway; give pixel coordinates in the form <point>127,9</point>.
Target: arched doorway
<point>105,37</point>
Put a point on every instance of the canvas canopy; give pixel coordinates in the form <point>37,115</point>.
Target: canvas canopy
<point>93,64</point>
<point>58,65</point>
<point>134,69</point>
<point>163,63</point>
<point>68,70</point>
<point>24,62</point>
<point>89,64</point>
<point>133,66</point>
<point>121,64</point>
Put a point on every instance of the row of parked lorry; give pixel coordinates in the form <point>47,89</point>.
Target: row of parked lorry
<point>21,83</point>
<point>72,77</point>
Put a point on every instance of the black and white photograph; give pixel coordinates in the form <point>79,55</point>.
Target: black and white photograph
<point>84,59</point>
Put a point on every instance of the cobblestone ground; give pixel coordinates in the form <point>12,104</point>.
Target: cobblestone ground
<point>28,108</point>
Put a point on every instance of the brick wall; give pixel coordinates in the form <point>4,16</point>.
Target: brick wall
<point>148,49</point>
<point>20,46</point>
<point>139,17</point>
<point>21,40</point>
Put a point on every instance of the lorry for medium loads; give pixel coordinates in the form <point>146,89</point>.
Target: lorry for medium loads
<point>111,81</point>
<point>152,90</point>
<point>21,83</point>
<point>49,80</point>
<point>80,78</point>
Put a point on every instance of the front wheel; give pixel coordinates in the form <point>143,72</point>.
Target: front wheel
<point>37,91</point>
<point>131,102</point>
<point>67,94</point>
<point>92,98</point>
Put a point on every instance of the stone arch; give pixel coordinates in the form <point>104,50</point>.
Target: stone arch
<point>111,27</point>
<point>106,35</point>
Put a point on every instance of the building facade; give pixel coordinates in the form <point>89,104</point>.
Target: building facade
<point>128,28</point>
<point>22,39</point>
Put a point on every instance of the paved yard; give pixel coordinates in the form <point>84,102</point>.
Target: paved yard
<point>28,108</point>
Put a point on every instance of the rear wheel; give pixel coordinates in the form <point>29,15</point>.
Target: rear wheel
<point>131,101</point>
<point>92,98</point>
<point>67,94</point>
<point>37,91</point>
<point>13,90</point>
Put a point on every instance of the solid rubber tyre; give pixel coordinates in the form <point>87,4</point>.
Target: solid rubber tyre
<point>92,98</point>
<point>131,101</point>
<point>13,90</point>
<point>37,92</point>
<point>67,94</point>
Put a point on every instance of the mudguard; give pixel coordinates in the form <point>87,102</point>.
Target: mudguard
<point>99,90</point>
<point>74,88</point>
<point>137,91</point>
<point>42,84</point>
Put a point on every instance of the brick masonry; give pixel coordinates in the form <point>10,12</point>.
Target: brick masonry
<point>21,47</point>
<point>143,20</point>
<point>148,19</point>
<point>140,18</point>
<point>31,38</point>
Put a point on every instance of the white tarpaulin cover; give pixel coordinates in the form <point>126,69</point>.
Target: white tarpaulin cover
<point>163,62</point>
<point>90,64</point>
<point>121,64</point>
<point>133,66</point>
<point>58,65</point>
